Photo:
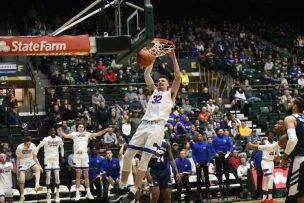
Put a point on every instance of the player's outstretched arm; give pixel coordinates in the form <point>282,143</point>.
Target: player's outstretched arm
<point>62,134</point>
<point>61,148</point>
<point>172,163</point>
<point>177,75</point>
<point>148,79</point>
<point>41,144</point>
<point>290,124</point>
<point>100,132</point>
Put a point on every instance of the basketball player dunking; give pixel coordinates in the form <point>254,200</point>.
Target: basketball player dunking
<point>150,132</point>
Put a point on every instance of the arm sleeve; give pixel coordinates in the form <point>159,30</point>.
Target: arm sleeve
<point>292,140</point>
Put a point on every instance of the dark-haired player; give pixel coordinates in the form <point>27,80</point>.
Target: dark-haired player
<point>150,132</point>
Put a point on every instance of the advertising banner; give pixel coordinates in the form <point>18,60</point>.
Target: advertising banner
<point>8,69</point>
<point>280,177</point>
<point>45,45</point>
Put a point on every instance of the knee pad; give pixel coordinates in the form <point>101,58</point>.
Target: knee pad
<point>144,161</point>
<point>127,160</point>
<point>57,179</point>
<point>48,178</point>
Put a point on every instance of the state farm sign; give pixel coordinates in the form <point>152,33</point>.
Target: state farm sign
<point>45,45</point>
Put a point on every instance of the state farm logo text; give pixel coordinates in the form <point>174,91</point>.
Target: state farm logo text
<point>43,46</point>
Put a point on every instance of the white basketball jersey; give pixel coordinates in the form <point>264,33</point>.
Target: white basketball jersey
<point>6,175</point>
<point>269,155</point>
<point>26,155</point>
<point>159,106</point>
<point>81,141</point>
<point>51,146</point>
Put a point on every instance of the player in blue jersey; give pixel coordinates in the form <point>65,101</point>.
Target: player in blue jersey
<point>160,173</point>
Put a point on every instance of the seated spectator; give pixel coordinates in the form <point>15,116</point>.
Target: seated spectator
<point>92,76</point>
<point>209,131</point>
<point>210,106</point>
<point>188,150</point>
<point>65,128</point>
<point>114,119</point>
<point>221,105</point>
<point>126,104</point>
<point>50,99</point>
<point>82,78</point>
<point>97,98</point>
<point>234,130</point>
<point>86,120</point>
<point>170,134</point>
<point>136,105</point>
<point>62,80</point>
<point>69,114</point>
<point>192,135</point>
<point>202,123</point>
<point>239,98</point>
<point>120,76</point>
<point>101,67</point>
<point>179,127</point>
<point>242,173</point>
<point>70,79</point>
<point>131,94</point>
<point>12,101</point>
<point>110,76</point>
<point>234,119</point>
<point>102,114</point>
<point>216,114</point>
<point>79,107</point>
<point>205,113</point>
<point>128,77</point>
<point>188,107</point>
<point>55,78</point>
<point>224,122</point>
<point>110,138</point>
<point>187,123</point>
<point>253,138</point>
<point>301,81</point>
<point>142,97</point>
<point>121,140</point>
<point>55,115</point>
<point>245,131</point>
<point>126,129</point>
<point>182,115</point>
<point>234,162</point>
<point>205,96</point>
<point>175,150</point>
<point>15,119</point>
<point>276,91</point>
<point>183,94</point>
<point>184,79</point>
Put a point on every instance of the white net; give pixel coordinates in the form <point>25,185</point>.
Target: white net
<point>161,47</point>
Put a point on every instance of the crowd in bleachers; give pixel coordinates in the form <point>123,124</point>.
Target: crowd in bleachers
<point>230,48</point>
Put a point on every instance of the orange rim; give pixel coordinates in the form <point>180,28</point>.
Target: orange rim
<point>164,41</point>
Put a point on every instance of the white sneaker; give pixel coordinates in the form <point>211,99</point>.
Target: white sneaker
<point>48,200</point>
<point>38,188</point>
<point>57,198</point>
<point>21,200</point>
<point>89,195</point>
<point>77,197</point>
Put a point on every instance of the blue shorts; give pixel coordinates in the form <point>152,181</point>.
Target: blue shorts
<point>161,178</point>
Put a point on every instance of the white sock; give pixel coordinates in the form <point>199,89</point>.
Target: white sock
<point>88,190</point>
<point>264,197</point>
<point>133,189</point>
<point>269,196</point>
<point>122,185</point>
<point>77,191</point>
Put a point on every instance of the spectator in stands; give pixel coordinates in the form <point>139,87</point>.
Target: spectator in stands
<point>64,106</point>
<point>188,150</point>
<point>184,79</point>
<point>301,81</point>
<point>112,173</point>
<point>221,105</point>
<point>217,115</point>
<point>120,139</point>
<point>129,78</point>
<point>87,120</point>
<point>95,172</point>
<point>286,96</point>
<point>55,78</point>
<point>126,130</point>
<point>245,131</point>
<point>210,106</point>
<point>102,114</point>
<point>205,113</point>
<point>224,122</point>
<point>101,67</point>
<point>234,119</point>
<point>242,174</point>
<point>221,147</point>
<point>115,119</point>
<point>136,105</point>
<point>51,98</point>
<point>239,99</point>
<point>126,104</point>
<point>55,115</point>
<point>97,98</point>
<point>79,106</point>
<point>276,91</point>
<point>12,101</point>
<point>70,114</point>
<point>2,106</point>
<point>188,107</point>
<point>134,122</point>
<point>268,65</point>
<point>92,76</point>
<point>131,94</point>
<point>82,78</point>
<point>142,97</point>
<point>250,96</point>
<point>184,169</point>
<point>110,138</point>
<point>182,115</point>
<point>205,96</point>
<point>234,162</point>
<point>183,94</point>
<point>175,150</point>
<point>278,107</point>
<point>201,158</point>
<point>170,134</point>
<point>254,137</point>
<point>179,127</point>
<point>15,119</point>
<point>187,123</point>
<point>70,79</point>
<point>62,80</point>
<point>65,128</point>
<point>110,76</point>
<point>192,135</point>
<point>209,131</point>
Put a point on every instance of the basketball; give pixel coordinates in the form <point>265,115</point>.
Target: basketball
<point>144,58</point>
<point>283,140</point>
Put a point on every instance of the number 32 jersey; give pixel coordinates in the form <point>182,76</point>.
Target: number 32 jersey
<point>159,106</point>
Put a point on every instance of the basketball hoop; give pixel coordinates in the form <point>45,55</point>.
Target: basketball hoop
<point>160,47</point>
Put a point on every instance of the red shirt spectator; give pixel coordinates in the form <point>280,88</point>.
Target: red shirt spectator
<point>234,160</point>
<point>110,76</point>
<point>101,66</point>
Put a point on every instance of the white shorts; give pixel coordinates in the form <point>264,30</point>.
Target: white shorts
<point>81,161</point>
<point>148,137</point>
<point>51,164</point>
<point>267,167</point>
<point>6,193</point>
<point>26,166</point>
